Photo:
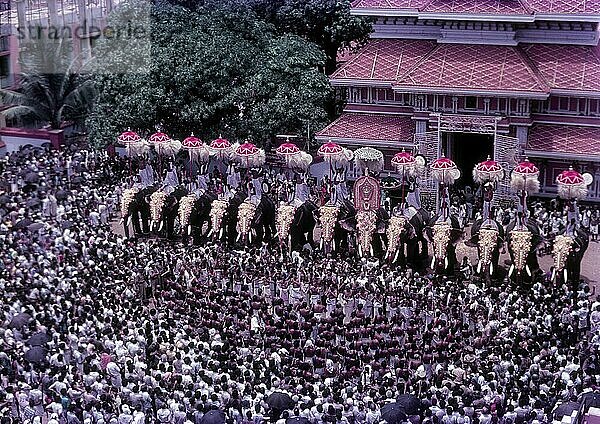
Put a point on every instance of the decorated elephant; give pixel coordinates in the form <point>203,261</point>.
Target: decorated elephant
<point>164,209</point>
<point>246,221</point>
<point>523,242</point>
<point>370,231</point>
<point>337,223</point>
<point>567,254</point>
<point>295,224</point>
<point>135,210</point>
<point>194,212</point>
<point>488,236</point>
<point>406,243</point>
<point>444,235</point>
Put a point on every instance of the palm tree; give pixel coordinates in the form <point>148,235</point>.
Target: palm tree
<point>52,88</point>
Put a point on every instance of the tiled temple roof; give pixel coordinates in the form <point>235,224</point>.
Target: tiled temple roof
<point>422,66</point>
<point>473,68</point>
<point>370,127</point>
<point>566,67</point>
<point>564,140</point>
<point>383,60</point>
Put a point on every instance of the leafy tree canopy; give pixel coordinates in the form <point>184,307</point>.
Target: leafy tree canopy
<point>327,23</point>
<point>209,71</point>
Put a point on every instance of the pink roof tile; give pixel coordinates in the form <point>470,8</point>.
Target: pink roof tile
<point>474,68</point>
<point>477,7</point>
<point>384,60</point>
<point>566,67</point>
<point>578,7</point>
<point>365,126</point>
<point>388,4</point>
<point>564,139</point>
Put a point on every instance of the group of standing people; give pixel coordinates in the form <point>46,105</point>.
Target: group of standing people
<point>156,331</point>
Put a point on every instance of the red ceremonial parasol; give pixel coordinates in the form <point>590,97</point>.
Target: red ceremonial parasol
<point>287,149</point>
<point>197,149</point>
<point>330,149</point>
<point>403,158</point>
<point>159,138</point>
<point>250,155</point>
<point>129,137</point>
<point>488,170</point>
<point>572,184</point>
<point>444,170</point>
<point>221,147</point>
<point>526,168</point>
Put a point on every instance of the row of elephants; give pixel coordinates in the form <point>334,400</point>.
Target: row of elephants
<point>400,239</point>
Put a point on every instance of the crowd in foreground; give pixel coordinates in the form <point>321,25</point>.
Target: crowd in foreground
<point>150,331</point>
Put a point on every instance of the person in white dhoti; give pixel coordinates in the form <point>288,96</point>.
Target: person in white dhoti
<point>233,177</point>
<point>301,192</point>
<point>255,190</point>
<point>147,176</point>
<point>171,181</point>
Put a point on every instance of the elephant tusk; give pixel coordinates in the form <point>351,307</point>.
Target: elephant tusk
<point>371,251</point>
<point>210,233</point>
<point>528,270</point>
<point>276,235</point>
<point>220,233</point>
<point>189,232</point>
<point>321,244</point>
<point>479,267</point>
<point>511,270</point>
<point>129,220</point>
<point>238,237</point>
<point>553,278</point>
<point>396,256</point>
<point>446,263</point>
<point>160,227</point>
<point>491,269</point>
<point>565,272</point>
<point>359,250</point>
<point>249,237</point>
<point>433,263</point>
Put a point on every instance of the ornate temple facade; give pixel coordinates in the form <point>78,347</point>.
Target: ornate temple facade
<point>471,78</point>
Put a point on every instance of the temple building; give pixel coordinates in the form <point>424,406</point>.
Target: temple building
<point>471,78</point>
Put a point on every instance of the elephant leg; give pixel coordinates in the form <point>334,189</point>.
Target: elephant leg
<point>125,226</point>
<point>135,219</point>
<point>144,218</point>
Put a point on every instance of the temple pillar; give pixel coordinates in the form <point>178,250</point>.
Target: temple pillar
<point>522,133</point>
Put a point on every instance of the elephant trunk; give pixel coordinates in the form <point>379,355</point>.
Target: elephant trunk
<point>366,224</point>
<point>488,240</point>
<point>246,214</point>
<point>217,211</point>
<point>394,232</point>
<point>520,246</point>
<point>563,246</point>
<point>283,222</point>
<point>186,205</point>
<point>328,217</point>
<point>157,204</point>
<point>441,238</point>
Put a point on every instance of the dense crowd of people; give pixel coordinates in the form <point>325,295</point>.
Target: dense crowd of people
<point>97,328</point>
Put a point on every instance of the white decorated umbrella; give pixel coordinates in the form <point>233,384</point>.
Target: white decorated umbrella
<point>221,148</point>
<point>525,176</point>
<point>488,170</point>
<point>572,184</point>
<point>444,170</point>
<point>134,144</point>
<point>197,149</point>
<point>368,158</point>
<point>249,155</point>
<point>294,157</point>
<point>164,144</point>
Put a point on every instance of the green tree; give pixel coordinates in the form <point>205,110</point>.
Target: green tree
<point>51,88</point>
<point>327,23</point>
<point>211,71</point>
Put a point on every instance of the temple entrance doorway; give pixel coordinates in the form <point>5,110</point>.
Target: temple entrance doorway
<point>466,150</point>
